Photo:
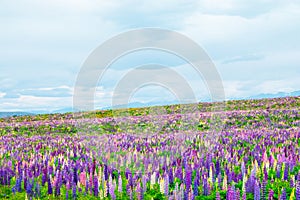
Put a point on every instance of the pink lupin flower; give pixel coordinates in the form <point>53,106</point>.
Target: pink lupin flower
<point>82,178</point>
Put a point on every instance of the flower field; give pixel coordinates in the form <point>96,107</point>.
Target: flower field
<point>247,149</point>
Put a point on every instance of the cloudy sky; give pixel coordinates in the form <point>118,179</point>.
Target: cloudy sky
<point>254,45</point>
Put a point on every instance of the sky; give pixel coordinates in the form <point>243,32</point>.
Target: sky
<point>255,46</point>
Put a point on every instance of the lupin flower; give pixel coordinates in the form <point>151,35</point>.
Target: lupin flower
<point>29,188</point>
<point>218,197</point>
<point>278,171</point>
<point>86,187</point>
<point>264,189</point>
<point>244,197</point>
<point>237,194</point>
<point>298,187</point>
<point>82,178</point>
<point>144,183</point>
<point>256,191</point>
<point>96,186</point>
<point>171,175</point>
<point>120,186</point>
<point>271,195</point>
<point>139,191</point>
<point>283,194</point>
<point>166,185</point>
<point>74,190</point>
<point>153,179</point>
<point>162,185</point>
<point>188,178</point>
<point>179,173</point>
<point>50,190</point>
<point>37,190</point>
<point>205,187</point>
<point>292,181</point>
<point>67,194</point>
<point>111,188</point>
<point>129,191</point>
<point>196,186</point>
<point>286,172</point>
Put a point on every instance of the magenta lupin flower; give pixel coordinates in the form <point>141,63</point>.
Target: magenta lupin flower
<point>244,197</point>
<point>271,195</point>
<point>218,197</point>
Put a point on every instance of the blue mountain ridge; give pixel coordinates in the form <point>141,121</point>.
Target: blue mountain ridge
<point>147,104</point>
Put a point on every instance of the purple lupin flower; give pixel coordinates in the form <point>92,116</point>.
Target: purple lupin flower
<point>217,166</point>
<point>265,173</point>
<point>205,187</point>
<point>271,195</point>
<point>19,184</point>
<point>237,194</point>
<point>75,175</point>
<point>292,183</point>
<point>166,186</point>
<point>264,190</point>
<point>171,179</point>
<point>228,193</point>
<point>298,187</point>
<point>67,194</point>
<point>86,187</point>
<point>144,182</point>
<point>250,184</point>
<point>188,180</point>
<point>283,194</point>
<point>244,197</point>
<point>129,191</point>
<point>186,194</point>
<point>196,185</point>
<point>278,171</point>
<point>44,176</point>
<point>179,172</point>
<point>111,188</point>
<point>105,170</point>
<point>50,191</point>
<point>286,172</point>
<point>58,184</point>
<point>130,180</point>
<point>29,188</point>
<point>219,180</point>
<point>96,186</point>
<point>74,190</point>
<point>218,197</point>
<point>25,182</point>
<point>37,190</point>
<point>139,191</point>
<point>256,191</point>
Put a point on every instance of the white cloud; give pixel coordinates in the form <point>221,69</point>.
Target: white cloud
<point>2,94</point>
<point>254,45</point>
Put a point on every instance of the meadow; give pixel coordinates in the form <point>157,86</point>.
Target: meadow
<point>246,149</point>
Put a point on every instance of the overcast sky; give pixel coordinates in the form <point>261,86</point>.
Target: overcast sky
<point>255,46</point>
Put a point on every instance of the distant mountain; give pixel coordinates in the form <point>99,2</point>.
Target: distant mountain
<point>141,104</point>
<point>276,95</point>
<point>63,110</point>
<point>12,114</point>
<point>146,104</point>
